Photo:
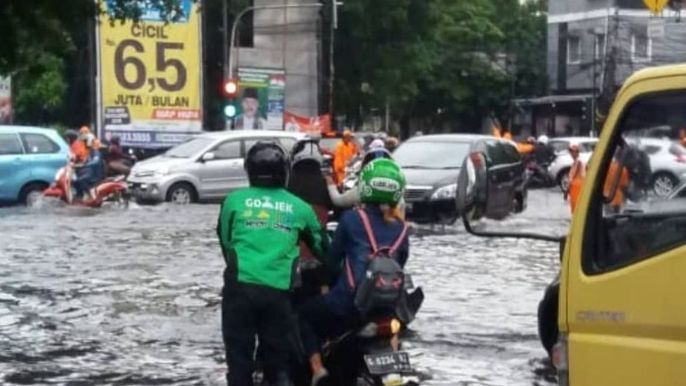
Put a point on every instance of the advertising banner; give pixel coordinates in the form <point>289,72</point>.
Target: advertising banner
<point>314,126</point>
<point>150,78</point>
<point>261,101</point>
<point>5,100</point>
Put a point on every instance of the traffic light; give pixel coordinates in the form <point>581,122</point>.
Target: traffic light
<point>230,88</point>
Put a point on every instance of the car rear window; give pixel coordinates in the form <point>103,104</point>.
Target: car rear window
<point>39,144</point>
<point>9,144</point>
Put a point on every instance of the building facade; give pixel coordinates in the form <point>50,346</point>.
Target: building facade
<point>286,37</point>
<point>593,46</point>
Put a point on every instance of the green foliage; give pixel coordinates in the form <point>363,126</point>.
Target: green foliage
<point>37,42</point>
<point>446,60</point>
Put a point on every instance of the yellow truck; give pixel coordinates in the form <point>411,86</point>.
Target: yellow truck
<point>621,307</point>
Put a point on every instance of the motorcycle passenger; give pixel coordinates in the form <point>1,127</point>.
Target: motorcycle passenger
<point>77,147</point>
<point>117,160</point>
<point>92,171</point>
<point>382,184</point>
<point>72,137</point>
<point>259,228</point>
<point>351,197</point>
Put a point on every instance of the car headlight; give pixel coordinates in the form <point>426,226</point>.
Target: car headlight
<point>445,193</point>
<point>162,171</point>
<point>150,173</point>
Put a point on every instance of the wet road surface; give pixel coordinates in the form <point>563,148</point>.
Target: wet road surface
<point>131,297</point>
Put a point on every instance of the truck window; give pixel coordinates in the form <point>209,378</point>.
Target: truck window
<point>635,211</point>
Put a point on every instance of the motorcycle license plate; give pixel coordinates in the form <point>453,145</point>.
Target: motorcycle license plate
<point>386,363</point>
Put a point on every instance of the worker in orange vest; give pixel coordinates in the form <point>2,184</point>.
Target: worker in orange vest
<point>346,150</point>
<point>616,184</point>
<point>577,173</point>
<point>78,148</point>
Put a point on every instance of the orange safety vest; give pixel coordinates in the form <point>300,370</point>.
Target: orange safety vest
<point>79,151</point>
<point>577,174</point>
<point>622,180</point>
<point>342,155</point>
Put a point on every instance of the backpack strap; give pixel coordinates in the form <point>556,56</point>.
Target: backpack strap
<point>368,229</point>
<point>372,239</point>
<point>400,239</point>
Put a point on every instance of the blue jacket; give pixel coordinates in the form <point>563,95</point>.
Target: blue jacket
<point>94,168</point>
<point>351,242</point>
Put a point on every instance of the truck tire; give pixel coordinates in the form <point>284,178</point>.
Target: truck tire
<point>547,318</point>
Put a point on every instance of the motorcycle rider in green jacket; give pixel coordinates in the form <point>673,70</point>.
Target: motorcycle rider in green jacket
<point>259,229</point>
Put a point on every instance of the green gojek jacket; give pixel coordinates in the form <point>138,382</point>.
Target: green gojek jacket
<point>259,230</point>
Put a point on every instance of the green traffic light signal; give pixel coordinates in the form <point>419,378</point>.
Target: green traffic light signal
<point>230,111</point>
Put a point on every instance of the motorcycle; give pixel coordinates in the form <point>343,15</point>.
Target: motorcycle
<point>370,353</point>
<point>537,175</point>
<point>114,190</point>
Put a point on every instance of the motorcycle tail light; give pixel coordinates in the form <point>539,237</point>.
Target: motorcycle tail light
<point>388,327</point>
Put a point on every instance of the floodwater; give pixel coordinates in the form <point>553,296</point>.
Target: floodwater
<point>131,297</point>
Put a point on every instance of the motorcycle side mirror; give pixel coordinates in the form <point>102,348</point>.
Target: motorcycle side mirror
<point>479,200</point>
<point>209,156</point>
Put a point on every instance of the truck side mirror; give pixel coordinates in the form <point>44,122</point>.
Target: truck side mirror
<point>209,156</point>
<point>476,200</point>
<point>472,187</point>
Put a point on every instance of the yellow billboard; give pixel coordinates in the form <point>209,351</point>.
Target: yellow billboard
<point>150,78</point>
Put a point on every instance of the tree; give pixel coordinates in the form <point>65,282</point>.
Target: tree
<point>440,60</point>
<point>42,47</point>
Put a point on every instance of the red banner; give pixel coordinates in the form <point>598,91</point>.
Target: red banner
<point>311,125</point>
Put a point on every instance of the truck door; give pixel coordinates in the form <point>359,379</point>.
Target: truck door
<point>626,278</point>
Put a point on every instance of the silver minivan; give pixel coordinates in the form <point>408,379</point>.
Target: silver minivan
<point>205,168</point>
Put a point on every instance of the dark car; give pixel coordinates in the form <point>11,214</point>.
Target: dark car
<point>432,164</point>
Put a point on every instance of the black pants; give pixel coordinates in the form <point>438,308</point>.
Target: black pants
<point>318,322</point>
<point>249,311</point>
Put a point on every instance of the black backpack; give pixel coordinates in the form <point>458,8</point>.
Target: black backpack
<point>383,285</point>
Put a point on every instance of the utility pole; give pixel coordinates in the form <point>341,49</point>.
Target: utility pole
<point>225,33</point>
<point>332,67</point>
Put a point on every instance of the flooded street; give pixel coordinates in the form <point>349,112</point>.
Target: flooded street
<point>131,297</point>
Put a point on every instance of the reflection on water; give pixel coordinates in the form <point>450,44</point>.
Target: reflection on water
<point>131,297</point>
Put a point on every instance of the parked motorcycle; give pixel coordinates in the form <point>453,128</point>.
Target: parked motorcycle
<point>114,190</point>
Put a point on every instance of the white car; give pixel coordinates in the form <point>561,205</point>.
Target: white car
<point>204,168</point>
<point>667,163</point>
<point>559,168</point>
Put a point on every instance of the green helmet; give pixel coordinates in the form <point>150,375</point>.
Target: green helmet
<point>381,182</point>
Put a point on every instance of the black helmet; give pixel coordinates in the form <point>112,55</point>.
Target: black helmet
<point>373,154</point>
<point>267,165</point>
